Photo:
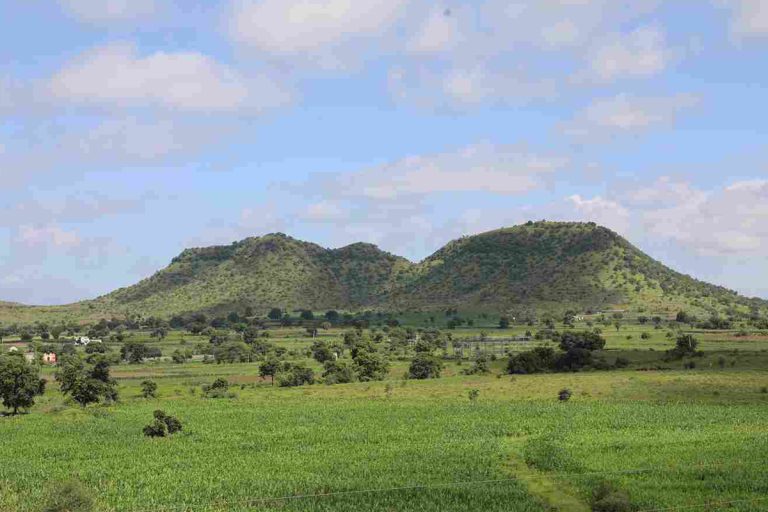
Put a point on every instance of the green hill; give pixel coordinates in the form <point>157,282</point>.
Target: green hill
<point>538,266</point>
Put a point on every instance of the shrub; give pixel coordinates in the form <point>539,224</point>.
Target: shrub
<point>474,394</point>
<point>295,375</point>
<point>621,362</point>
<point>480,365</point>
<point>163,425</point>
<point>425,366</point>
<point>149,389</point>
<point>69,496</point>
<point>535,361</point>
<point>338,372</point>
<point>218,389</point>
<point>586,340</point>
<point>607,498</point>
<point>564,395</point>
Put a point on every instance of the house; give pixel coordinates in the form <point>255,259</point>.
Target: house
<point>85,341</point>
<point>13,349</point>
<point>49,358</point>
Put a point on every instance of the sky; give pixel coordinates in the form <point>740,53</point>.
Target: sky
<point>132,129</point>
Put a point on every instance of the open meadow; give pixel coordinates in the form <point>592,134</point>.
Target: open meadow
<point>664,435</point>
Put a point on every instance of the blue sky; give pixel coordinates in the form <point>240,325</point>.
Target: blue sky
<point>130,130</point>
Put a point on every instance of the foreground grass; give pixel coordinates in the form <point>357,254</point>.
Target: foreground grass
<point>670,439</point>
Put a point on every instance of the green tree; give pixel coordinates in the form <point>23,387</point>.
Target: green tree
<point>370,365</point>
<point>321,352</point>
<point>149,389</point>
<point>134,352</point>
<point>269,368</point>
<point>20,383</point>
<point>87,381</point>
<point>338,372</point>
<point>425,366</point>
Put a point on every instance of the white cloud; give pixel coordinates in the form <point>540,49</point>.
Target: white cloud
<point>625,113</point>
<point>324,211</point>
<point>462,88</point>
<point>109,11</point>
<point>48,236</point>
<point>638,54</point>
<point>310,27</point>
<point>481,167</point>
<point>750,17</point>
<point>187,81</point>
<point>602,211</point>
<point>438,33</point>
<point>727,221</point>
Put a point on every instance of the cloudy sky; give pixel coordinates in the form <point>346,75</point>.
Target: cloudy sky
<point>131,129</point>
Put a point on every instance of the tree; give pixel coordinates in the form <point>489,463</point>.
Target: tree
<point>275,314</point>
<point>87,381</point>
<point>480,365</point>
<point>134,352</point>
<point>163,425</point>
<point>295,375</point>
<point>370,365</point>
<point>20,383</point>
<point>269,368</point>
<point>504,323</point>
<point>425,366</point>
<point>149,389</point>
<point>538,360</point>
<point>587,340</point>
<point>321,352</point>
<point>685,345</point>
<point>232,352</point>
<point>338,372</point>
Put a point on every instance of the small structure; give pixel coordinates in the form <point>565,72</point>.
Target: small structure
<point>49,358</point>
<point>85,341</point>
<point>13,349</point>
<point>30,357</point>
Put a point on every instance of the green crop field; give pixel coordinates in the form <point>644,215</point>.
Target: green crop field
<point>671,439</point>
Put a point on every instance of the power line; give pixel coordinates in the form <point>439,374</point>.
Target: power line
<point>294,497</point>
<point>703,504</point>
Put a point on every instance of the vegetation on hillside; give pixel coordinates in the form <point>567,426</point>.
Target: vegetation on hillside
<point>521,271</point>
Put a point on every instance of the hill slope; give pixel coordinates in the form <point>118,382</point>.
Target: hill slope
<point>550,266</point>
<point>542,265</point>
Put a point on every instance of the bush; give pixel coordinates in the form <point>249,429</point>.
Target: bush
<point>621,362</point>
<point>538,360</point>
<point>564,395</point>
<point>218,389</point>
<point>295,375</point>
<point>425,366</point>
<point>607,498</point>
<point>338,372</point>
<point>163,425</point>
<point>474,394</point>
<point>479,366</point>
<point>587,340</point>
<point>69,496</point>
<point>149,389</point>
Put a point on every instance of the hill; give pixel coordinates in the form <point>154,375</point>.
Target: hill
<point>550,266</point>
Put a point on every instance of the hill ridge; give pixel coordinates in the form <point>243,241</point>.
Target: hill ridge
<point>551,266</point>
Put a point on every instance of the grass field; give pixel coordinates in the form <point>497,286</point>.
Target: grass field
<point>675,438</point>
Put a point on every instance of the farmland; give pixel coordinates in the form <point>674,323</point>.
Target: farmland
<point>669,437</point>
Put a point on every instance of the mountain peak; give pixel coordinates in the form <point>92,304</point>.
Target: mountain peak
<point>539,265</point>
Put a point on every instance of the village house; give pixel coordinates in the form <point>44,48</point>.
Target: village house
<point>49,358</point>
